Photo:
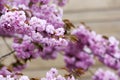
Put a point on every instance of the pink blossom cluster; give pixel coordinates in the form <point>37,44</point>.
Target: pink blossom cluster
<point>43,33</point>
<point>53,75</point>
<point>42,38</point>
<point>28,3</point>
<point>76,58</point>
<point>40,1</point>
<point>38,30</point>
<point>8,77</point>
<point>50,13</point>
<point>6,74</point>
<point>88,43</point>
<point>12,23</point>
<point>104,75</point>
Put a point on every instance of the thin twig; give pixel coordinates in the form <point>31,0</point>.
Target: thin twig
<point>8,46</point>
<point>6,55</point>
<point>91,72</point>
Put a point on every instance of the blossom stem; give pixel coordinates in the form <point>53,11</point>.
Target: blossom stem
<point>6,55</point>
<point>91,72</point>
<point>8,46</point>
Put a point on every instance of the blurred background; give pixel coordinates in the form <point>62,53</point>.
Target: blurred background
<point>103,16</point>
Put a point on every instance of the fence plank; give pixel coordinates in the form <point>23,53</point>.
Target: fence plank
<point>84,5</point>
<point>93,16</point>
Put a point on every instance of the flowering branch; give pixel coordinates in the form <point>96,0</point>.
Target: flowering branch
<point>38,30</point>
